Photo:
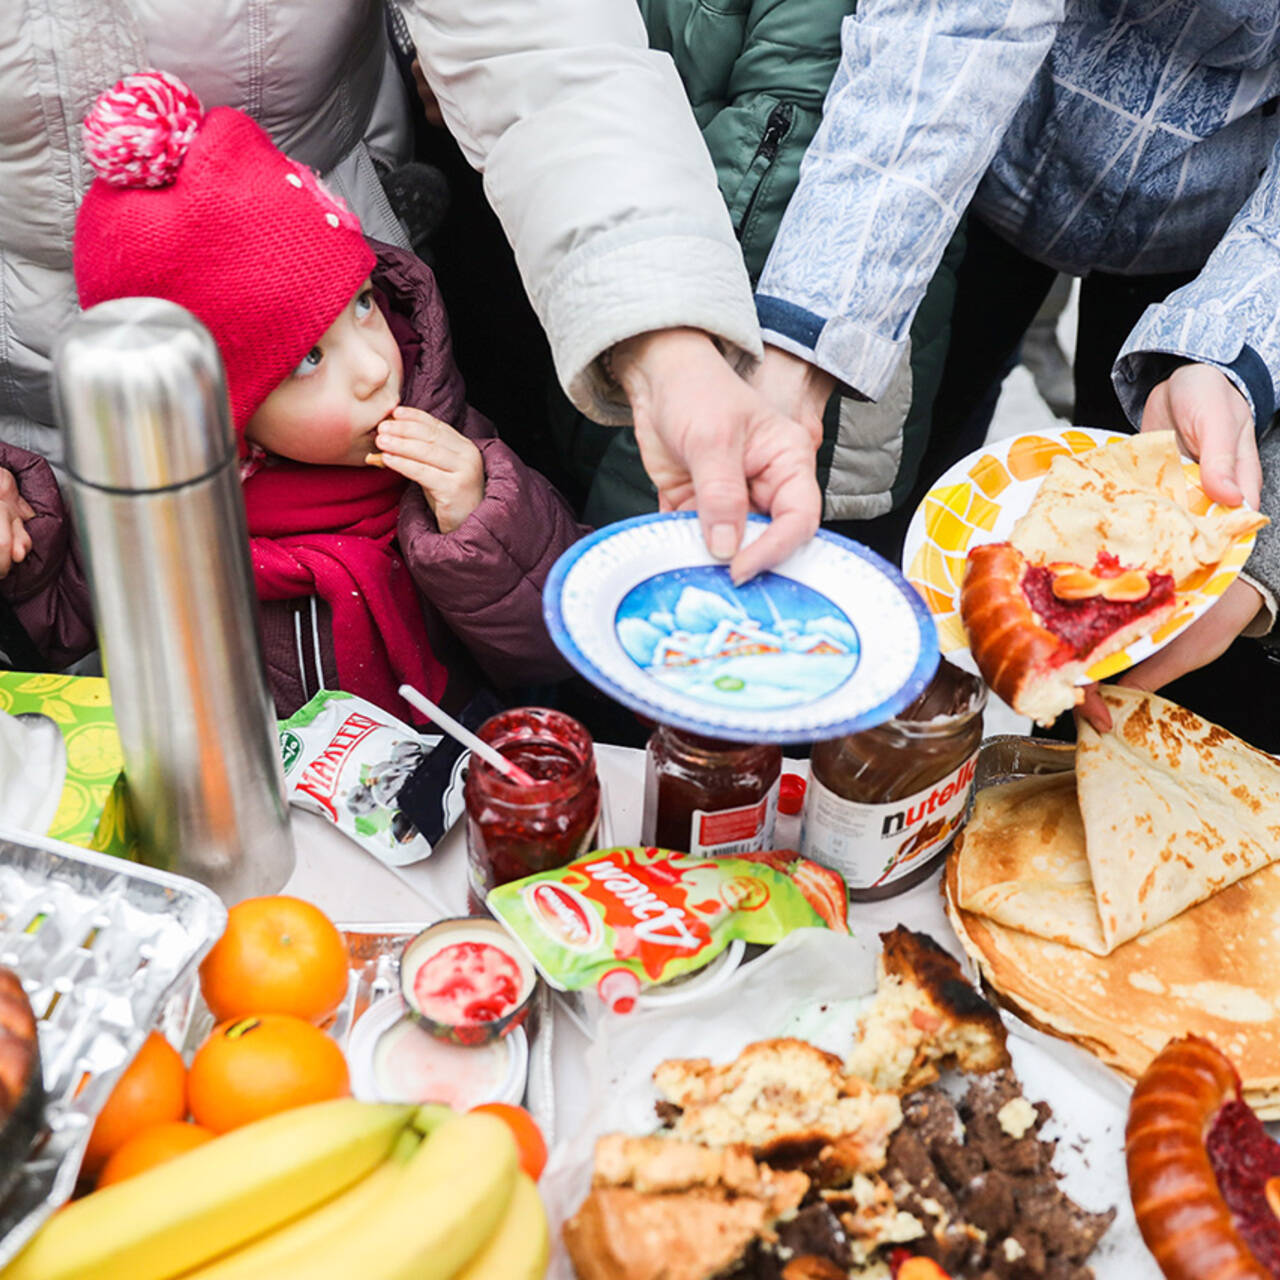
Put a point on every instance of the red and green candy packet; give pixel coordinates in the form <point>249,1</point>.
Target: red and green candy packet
<point>621,919</point>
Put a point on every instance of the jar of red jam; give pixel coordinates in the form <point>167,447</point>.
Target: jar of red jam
<point>883,805</point>
<point>513,830</point>
<point>707,796</point>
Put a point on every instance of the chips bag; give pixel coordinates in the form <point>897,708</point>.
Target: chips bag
<point>650,915</point>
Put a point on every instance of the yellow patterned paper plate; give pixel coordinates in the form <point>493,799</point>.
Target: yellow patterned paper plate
<point>979,499</point>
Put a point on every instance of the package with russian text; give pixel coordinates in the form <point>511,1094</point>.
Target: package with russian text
<point>348,761</point>
<point>647,916</point>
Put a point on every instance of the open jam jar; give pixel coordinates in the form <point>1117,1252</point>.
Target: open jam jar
<point>706,796</point>
<point>883,805</point>
<point>514,831</point>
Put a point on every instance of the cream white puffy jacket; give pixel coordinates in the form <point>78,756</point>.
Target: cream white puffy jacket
<point>589,151</point>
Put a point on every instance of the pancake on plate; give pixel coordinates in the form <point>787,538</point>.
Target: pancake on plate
<point>1171,811</point>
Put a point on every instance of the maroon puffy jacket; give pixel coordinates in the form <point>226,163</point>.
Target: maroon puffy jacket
<point>481,585</point>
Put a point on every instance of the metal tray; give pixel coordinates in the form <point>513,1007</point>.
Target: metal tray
<point>102,947</point>
<point>374,951</point>
<point>1007,757</point>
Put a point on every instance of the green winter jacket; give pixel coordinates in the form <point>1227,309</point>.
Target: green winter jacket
<point>756,72</point>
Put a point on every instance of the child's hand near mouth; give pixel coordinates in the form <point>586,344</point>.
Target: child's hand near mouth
<point>446,465</point>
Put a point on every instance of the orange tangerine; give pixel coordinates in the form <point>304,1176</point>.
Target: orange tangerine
<point>151,1147</point>
<point>152,1090</point>
<point>254,1067</point>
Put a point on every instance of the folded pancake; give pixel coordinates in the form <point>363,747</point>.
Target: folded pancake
<point>1127,499</point>
<point>1022,861</point>
<point>1210,971</point>
<point>1174,808</point>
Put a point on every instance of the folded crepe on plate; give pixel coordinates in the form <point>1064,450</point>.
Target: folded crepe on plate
<point>1162,812</point>
<point>1172,811</point>
<point>1175,809</point>
<point>1023,863</point>
<point>1127,499</point>
<point>1211,972</point>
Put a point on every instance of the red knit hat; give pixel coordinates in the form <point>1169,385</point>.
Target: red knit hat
<point>205,211</point>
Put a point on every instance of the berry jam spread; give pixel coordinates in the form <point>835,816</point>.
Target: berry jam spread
<point>542,761</point>
<point>1084,624</point>
<point>1244,1158</point>
<point>468,983</point>
<point>514,831</point>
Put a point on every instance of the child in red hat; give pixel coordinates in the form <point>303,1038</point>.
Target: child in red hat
<point>380,504</point>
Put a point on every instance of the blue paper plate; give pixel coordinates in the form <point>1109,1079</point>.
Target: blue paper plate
<point>832,641</point>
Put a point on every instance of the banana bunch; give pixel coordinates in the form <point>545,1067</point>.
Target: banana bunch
<point>331,1191</point>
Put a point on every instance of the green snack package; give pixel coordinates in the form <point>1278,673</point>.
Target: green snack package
<point>347,760</point>
<point>620,919</point>
<point>93,810</point>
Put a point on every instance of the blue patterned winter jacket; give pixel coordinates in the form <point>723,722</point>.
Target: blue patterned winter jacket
<point>1127,136</point>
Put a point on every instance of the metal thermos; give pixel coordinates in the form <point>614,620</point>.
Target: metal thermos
<point>151,460</point>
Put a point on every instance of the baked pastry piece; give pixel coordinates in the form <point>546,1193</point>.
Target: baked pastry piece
<point>21,1083</point>
<point>661,1209</point>
<point>1203,1172</point>
<point>1034,630</point>
<point>787,1102</point>
<point>925,1013</point>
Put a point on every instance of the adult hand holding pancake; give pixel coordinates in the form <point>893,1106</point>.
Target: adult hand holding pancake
<point>1140,902</point>
<point>1109,552</point>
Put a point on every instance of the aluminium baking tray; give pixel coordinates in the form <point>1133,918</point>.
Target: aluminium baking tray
<point>106,950</point>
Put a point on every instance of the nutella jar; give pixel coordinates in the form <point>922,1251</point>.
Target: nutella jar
<point>883,806</point>
<point>709,797</point>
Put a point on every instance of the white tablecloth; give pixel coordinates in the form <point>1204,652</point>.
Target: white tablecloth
<point>351,887</point>
<point>340,878</point>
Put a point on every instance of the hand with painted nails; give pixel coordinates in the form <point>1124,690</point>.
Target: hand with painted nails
<point>15,541</point>
<point>712,443</point>
<point>441,461</point>
<point>1214,425</point>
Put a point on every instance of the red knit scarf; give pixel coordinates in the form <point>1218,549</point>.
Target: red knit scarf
<point>330,531</point>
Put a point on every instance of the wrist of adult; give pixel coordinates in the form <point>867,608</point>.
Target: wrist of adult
<point>635,363</point>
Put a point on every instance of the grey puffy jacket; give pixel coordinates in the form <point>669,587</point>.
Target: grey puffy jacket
<point>317,76</point>
<point>590,154</point>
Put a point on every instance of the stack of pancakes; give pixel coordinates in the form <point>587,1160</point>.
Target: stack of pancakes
<point>1137,897</point>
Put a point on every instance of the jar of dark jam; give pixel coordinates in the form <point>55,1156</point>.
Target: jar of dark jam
<point>513,830</point>
<point>883,805</point>
<point>706,796</point>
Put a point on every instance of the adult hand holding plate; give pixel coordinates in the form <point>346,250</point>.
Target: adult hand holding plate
<point>1066,556</point>
<point>712,443</point>
<point>1214,424</point>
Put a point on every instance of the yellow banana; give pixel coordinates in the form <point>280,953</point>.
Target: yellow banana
<point>429,1117</point>
<point>345,1212</point>
<point>211,1199</point>
<point>521,1246</point>
<point>446,1203</point>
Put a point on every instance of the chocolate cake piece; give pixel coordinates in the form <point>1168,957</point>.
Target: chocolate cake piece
<point>988,1195</point>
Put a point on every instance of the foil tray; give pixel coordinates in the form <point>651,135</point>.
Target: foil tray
<point>106,950</point>
<point>1006,757</point>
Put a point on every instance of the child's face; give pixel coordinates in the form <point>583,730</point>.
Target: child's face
<point>328,409</point>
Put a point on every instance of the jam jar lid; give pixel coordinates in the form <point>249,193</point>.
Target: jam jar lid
<point>393,1059</point>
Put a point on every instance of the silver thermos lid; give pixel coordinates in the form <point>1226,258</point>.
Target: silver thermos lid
<point>152,365</point>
